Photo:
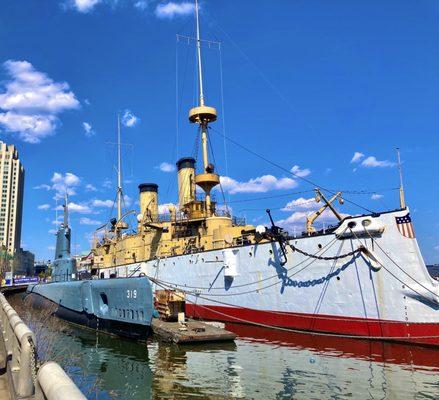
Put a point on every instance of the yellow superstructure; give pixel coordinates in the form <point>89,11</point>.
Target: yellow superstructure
<point>186,228</point>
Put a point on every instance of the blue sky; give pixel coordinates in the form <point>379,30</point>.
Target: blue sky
<point>306,84</point>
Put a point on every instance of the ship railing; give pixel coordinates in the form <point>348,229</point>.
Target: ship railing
<point>26,377</point>
<point>219,212</point>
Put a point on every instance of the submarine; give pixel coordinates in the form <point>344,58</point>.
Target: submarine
<point>120,306</point>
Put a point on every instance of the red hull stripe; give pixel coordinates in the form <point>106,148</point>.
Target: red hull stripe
<point>422,333</point>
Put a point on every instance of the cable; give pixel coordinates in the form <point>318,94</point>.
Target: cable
<point>286,170</point>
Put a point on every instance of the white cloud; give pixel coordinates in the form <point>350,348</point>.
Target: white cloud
<point>77,208</point>
<point>372,162</point>
<point>261,184</point>
<point>88,221</point>
<point>43,186</point>
<point>84,6</point>
<point>301,173</point>
<point>357,157</point>
<point>88,129</point>
<point>44,207</point>
<point>173,9</point>
<point>108,184</point>
<point>30,128</point>
<point>296,222</point>
<point>164,208</point>
<point>52,231</point>
<point>301,208</point>
<point>102,203</point>
<point>376,196</point>
<point>129,119</point>
<point>31,102</point>
<point>63,184</point>
<point>127,201</point>
<point>141,5</point>
<point>166,167</point>
<point>90,188</point>
<point>436,248</point>
<point>301,203</point>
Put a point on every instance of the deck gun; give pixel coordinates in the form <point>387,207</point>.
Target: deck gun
<point>277,234</point>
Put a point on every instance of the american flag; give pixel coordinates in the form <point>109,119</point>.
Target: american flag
<point>405,226</point>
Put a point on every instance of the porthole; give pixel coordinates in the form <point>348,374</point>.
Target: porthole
<point>366,222</point>
<point>319,246</point>
<point>249,253</point>
<point>338,278</point>
<point>352,224</point>
<point>270,251</point>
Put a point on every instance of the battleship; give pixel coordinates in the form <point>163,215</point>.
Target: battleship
<point>118,306</point>
<point>364,278</point>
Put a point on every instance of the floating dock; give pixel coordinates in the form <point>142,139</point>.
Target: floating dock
<point>190,332</point>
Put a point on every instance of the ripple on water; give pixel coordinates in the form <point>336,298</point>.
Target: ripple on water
<point>260,365</point>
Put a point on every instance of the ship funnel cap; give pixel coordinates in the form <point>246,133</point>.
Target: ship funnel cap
<point>148,187</point>
<point>185,162</point>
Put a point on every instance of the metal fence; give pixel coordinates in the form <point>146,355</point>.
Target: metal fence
<point>28,379</point>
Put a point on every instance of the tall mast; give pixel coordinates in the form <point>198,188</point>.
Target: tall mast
<point>119,172</point>
<point>203,115</point>
<point>401,184</point>
<point>200,69</point>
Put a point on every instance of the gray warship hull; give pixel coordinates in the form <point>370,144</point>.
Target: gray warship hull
<point>121,306</point>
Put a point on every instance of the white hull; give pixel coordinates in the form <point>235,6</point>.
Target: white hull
<point>390,295</point>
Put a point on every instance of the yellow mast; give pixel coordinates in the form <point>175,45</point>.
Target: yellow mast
<point>202,115</point>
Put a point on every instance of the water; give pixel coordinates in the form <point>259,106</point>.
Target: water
<point>261,364</point>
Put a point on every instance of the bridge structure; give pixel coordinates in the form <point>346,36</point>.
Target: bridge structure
<point>22,376</point>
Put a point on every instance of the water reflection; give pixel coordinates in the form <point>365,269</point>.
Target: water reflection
<point>262,364</point>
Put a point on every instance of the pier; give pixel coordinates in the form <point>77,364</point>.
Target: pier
<point>21,375</point>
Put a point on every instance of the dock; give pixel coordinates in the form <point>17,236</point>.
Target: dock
<point>190,332</point>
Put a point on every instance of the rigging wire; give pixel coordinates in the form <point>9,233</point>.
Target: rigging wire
<point>286,170</point>
<point>223,120</point>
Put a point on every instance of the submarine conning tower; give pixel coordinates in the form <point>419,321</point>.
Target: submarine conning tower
<point>64,266</point>
<point>148,200</point>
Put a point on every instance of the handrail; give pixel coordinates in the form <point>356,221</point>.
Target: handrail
<point>27,378</point>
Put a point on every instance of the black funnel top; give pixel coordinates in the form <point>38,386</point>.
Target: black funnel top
<point>185,162</point>
<point>148,187</point>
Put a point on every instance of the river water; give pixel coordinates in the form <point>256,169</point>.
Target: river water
<point>261,364</point>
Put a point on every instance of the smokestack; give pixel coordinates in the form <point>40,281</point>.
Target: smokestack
<point>148,199</point>
<point>186,185</point>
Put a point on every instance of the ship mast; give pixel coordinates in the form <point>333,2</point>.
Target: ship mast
<point>401,185</point>
<point>203,115</point>
<point>119,172</point>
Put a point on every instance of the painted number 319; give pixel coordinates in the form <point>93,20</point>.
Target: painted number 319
<point>131,294</point>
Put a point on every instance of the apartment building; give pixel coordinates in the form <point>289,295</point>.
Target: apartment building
<point>11,204</point>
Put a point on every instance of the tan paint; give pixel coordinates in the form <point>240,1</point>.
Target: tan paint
<point>149,205</point>
<point>186,186</point>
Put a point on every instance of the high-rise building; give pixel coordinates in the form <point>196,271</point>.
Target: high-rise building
<point>11,202</point>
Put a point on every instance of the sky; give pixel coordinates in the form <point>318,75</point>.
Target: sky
<point>309,94</point>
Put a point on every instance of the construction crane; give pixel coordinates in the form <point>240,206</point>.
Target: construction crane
<point>310,219</point>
